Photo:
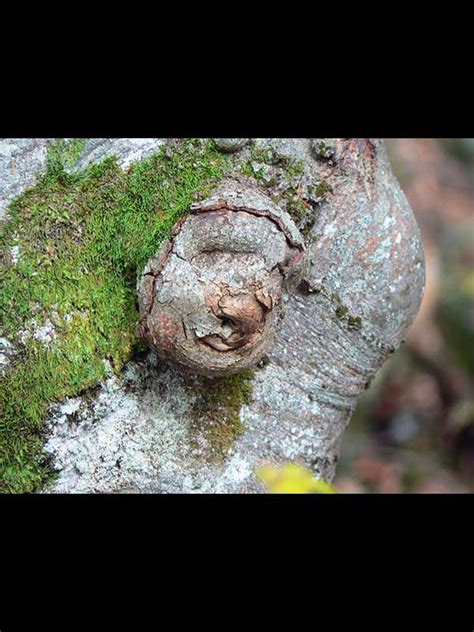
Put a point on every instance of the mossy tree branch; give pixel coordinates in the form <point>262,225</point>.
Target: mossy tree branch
<point>235,282</point>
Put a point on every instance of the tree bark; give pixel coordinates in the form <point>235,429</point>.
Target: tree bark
<point>211,300</point>
<point>359,286</point>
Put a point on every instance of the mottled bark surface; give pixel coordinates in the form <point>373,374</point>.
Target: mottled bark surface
<point>360,286</point>
<point>211,300</point>
<point>21,160</point>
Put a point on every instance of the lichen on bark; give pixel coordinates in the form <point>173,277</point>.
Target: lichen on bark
<point>361,281</point>
<point>72,247</point>
<point>216,412</point>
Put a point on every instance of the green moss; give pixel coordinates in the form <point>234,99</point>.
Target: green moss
<point>217,410</point>
<point>324,150</point>
<point>341,311</point>
<point>293,168</point>
<point>258,154</point>
<point>251,170</point>
<point>62,153</point>
<point>354,322</point>
<point>321,190</point>
<point>82,240</point>
<point>289,167</point>
<point>288,171</point>
<point>296,208</point>
<point>305,212</point>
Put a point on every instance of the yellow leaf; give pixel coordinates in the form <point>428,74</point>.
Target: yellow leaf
<point>292,478</point>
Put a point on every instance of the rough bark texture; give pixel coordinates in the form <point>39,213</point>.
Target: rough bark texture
<point>361,282</point>
<point>212,299</point>
<point>21,160</point>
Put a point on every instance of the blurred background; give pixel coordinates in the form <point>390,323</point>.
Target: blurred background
<point>413,430</point>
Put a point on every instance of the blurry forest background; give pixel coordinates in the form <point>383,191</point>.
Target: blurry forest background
<point>413,430</point>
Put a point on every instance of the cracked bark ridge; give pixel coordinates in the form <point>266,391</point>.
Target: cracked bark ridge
<point>211,300</point>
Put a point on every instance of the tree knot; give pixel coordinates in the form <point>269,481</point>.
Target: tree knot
<point>211,299</point>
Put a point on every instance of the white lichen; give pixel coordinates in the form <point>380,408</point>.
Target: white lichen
<point>6,351</point>
<point>15,254</point>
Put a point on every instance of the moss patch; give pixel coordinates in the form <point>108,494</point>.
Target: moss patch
<point>64,153</point>
<point>342,312</point>
<point>217,411</point>
<point>282,177</point>
<point>259,157</point>
<point>324,150</point>
<point>68,294</point>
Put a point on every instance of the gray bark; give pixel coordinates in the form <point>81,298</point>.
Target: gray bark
<point>361,283</point>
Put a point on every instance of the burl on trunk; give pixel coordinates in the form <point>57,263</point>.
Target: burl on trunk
<point>237,283</point>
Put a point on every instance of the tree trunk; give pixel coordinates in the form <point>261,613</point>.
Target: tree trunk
<point>357,288</point>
